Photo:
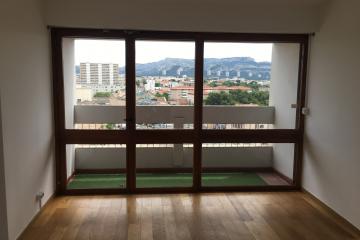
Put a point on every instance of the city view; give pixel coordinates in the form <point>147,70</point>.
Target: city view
<point>165,77</point>
<point>245,86</point>
<point>164,87</point>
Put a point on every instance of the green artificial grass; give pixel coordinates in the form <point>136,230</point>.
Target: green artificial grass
<point>231,179</point>
<point>160,180</point>
<point>91,181</point>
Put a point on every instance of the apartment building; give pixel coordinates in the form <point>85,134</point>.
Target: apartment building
<point>100,76</point>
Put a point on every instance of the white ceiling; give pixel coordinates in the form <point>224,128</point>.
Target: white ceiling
<point>289,16</point>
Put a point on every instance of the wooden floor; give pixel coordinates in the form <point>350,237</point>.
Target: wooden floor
<point>220,216</point>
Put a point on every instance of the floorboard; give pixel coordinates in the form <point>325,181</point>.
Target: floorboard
<point>225,216</point>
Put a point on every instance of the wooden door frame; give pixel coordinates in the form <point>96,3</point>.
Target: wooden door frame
<point>196,136</point>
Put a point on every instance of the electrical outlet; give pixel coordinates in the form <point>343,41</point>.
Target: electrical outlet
<point>39,196</point>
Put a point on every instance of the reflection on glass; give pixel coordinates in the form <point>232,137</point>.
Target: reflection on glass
<point>164,84</point>
<point>94,81</point>
<point>249,85</point>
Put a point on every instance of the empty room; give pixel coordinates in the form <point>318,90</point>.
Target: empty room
<point>179,119</point>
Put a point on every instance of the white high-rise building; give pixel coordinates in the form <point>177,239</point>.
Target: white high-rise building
<point>100,76</point>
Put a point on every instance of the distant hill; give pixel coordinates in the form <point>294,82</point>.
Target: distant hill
<point>247,67</point>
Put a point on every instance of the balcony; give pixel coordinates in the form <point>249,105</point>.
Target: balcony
<point>228,164</point>
<point>168,116</point>
<point>164,101</point>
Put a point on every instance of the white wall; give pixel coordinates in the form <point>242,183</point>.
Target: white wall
<point>223,16</point>
<point>283,93</point>
<point>332,152</point>
<point>283,85</point>
<point>68,46</point>
<point>171,114</point>
<point>111,158</point>
<point>26,110</point>
<point>331,164</point>
<point>237,157</point>
<point>3,211</point>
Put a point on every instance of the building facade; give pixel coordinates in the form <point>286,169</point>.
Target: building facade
<point>100,76</point>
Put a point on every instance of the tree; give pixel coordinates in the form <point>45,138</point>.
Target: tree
<point>157,84</point>
<point>229,84</point>
<point>241,97</point>
<point>254,85</point>
<point>221,98</point>
<point>213,84</point>
<point>255,97</point>
<point>165,95</point>
<point>110,126</point>
<point>261,98</point>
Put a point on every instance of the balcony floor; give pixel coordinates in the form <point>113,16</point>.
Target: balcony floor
<point>158,180</point>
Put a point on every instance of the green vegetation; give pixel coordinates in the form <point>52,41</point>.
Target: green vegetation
<point>140,82</point>
<point>255,96</point>
<point>157,84</point>
<point>230,84</point>
<point>241,97</point>
<point>110,126</point>
<point>253,85</point>
<point>219,98</point>
<point>165,95</point>
<point>148,180</point>
<point>213,84</point>
<point>102,94</point>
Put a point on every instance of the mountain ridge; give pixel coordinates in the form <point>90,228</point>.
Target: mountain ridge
<point>242,67</point>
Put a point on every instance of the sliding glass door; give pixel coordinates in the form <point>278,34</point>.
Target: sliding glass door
<point>147,111</point>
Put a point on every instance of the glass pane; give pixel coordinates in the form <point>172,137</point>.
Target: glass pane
<point>250,85</point>
<point>247,164</point>
<point>164,84</point>
<point>164,165</point>
<point>96,166</point>
<point>94,82</point>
